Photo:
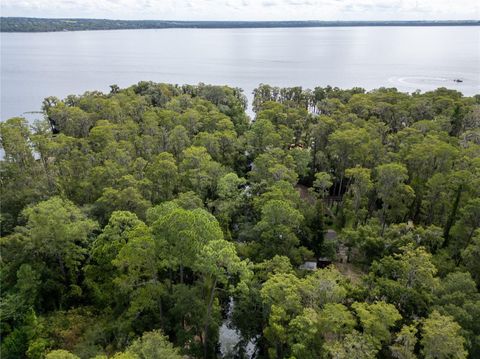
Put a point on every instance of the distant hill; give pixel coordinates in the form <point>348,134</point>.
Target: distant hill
<point>25,24</point>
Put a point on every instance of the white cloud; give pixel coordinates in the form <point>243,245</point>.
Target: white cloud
<point>246,9</point>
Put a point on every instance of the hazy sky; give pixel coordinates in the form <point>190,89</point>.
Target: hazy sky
<point>246,9</point>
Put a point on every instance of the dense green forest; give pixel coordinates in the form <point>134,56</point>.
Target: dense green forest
<point>130,220</point>
<point>30,24</point>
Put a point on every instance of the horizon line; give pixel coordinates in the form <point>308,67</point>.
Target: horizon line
<point>179,20</point>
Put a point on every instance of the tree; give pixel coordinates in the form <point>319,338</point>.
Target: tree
<point>72,121</point>
<point>317,136</point>
<point>61,354</point>
<point>291,305</point>
<point>357,196</point>
<point>14,140</point>
<point>199,172</point>
<point>137,278</point>
<point>350,146</point>
<point>217,261</point>
<point>321,184</point>
<point>426,158</point>
<point>404,343</point>
<point>303,335</point>
<point>210,142</point>
<point>54,242</point>
<point>406,279</point>
<point>325,286</point>
<point>23,179</point>
<point>100,271</point>
<point>467,224</point>
<point>302,158</point>
<point>193,239</point>
<point>470,255</point>
<point>228,146</point>
<point>178,141</point>
<point>278,230</point>
<point>281,191</point>
<point>445,194</point>
<point>393,192</point>
<point>125,199</point>
<point>273,166</point>
<point>282,302</point>
<point>181,234</point>
<point>355,345</point>
<point>163,175</point>
<point>441,338</point>
<point>153,345</point>
<point>377,319</point>
<point>335,321</point>
<point>16,302</point>
<point>230,197</point>
<point>430,237</point>
<point>261,137</point>
<point>457,296</point>
<point>364,243</point>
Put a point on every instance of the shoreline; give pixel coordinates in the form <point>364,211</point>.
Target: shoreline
<point>31,25</point>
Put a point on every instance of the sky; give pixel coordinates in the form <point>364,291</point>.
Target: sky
<point>246,9</point>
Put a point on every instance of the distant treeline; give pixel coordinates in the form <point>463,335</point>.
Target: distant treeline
<point>25,24</point>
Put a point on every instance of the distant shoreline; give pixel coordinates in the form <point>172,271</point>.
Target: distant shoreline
<point>25,24</point>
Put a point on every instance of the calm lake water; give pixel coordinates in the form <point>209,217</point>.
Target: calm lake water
<point>37,65</point>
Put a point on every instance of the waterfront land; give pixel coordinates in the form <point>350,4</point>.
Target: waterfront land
<point>26,24</point>
<point>336,223</point>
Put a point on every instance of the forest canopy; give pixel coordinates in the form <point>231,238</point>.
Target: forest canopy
<point>334,224</point>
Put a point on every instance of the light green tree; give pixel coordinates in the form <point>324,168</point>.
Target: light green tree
<point>403,346</point>
<point>377,319</point>
<point>153,345</point>
<point>441,338</point>
<point>61,354</point>
<point>355,345</point>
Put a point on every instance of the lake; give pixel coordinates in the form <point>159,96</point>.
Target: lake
<point>37,65</point>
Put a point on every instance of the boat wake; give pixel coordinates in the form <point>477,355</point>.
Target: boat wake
<point>426,83</point>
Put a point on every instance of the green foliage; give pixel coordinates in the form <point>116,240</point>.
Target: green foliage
<point>60,354</point>
<point>354,346</point>
<point>153,345</point>
<point>198,207</point>
<point>470,254</point>
<point>406,279</point>
<point>278,231</point>
<point>393,191</point>
<point>53,246</point>
<point>199,172</point>
<point>322,183</point>
<point>15,345</point>
<point>163,175</point>
<point>404,343</point>
<point>106,247</point>
<point>182,233</point>
<point>377,318</point>
<point>335,321</point>
<point>457,296</point>
<point>357,200</point>
<point>441,338</point>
